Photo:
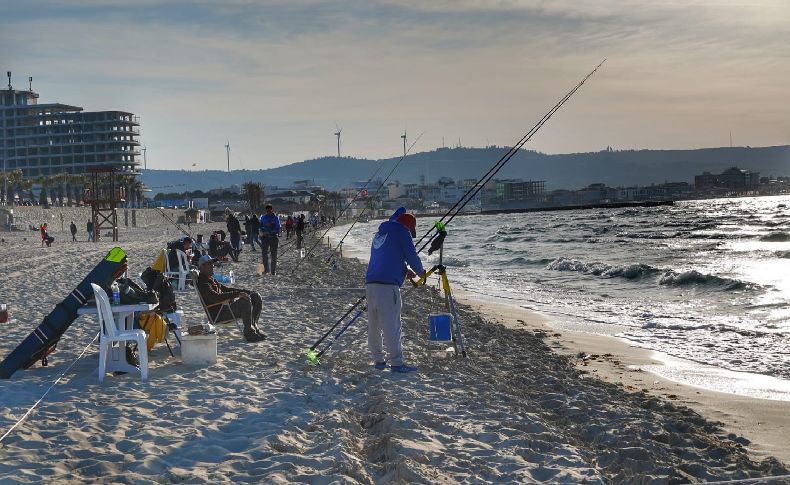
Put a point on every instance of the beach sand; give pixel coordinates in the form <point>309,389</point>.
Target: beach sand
<point>516,411</point>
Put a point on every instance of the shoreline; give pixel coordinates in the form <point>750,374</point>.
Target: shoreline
<point>764,422</point>
<point>517,411</point>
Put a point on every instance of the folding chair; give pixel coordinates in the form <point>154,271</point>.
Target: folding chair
<point>223,304</point>
<point>110,334</point>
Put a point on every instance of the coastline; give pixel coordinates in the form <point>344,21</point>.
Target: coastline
<point>764,422</point>
<point>516,411</point>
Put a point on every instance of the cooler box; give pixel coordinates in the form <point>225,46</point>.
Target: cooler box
<point>440,327</point>
<point>199,350</point>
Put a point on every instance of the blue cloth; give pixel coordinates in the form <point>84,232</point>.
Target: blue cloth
<point>267,219</point>
<point>391,250</point>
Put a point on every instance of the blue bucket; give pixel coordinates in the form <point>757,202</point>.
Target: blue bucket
<point>439,327</point>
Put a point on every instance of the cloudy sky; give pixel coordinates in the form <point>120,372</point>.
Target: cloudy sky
<point>274,77</point>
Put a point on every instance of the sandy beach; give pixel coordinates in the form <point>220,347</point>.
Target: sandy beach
<point>522,409</point>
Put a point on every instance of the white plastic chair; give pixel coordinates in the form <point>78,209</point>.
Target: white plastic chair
<point>181,272</point>
<point>111,334</point>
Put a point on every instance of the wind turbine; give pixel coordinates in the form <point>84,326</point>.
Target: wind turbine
<point>337,134</point>
<point>227,150</point>
<point>145,159</point>
<point>404,142</point>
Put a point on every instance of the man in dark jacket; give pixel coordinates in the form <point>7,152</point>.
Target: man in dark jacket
<point>392,249</point>
<point>234,228</point>
<point>244,304</point>
<point>270,238</point>
<point>252,225</point>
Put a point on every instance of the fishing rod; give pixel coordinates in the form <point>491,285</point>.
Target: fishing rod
<point>475,189</point>
<point>394,167</point>
<point>333,251</point>
<point>171,221</point>
<point>439,226</point>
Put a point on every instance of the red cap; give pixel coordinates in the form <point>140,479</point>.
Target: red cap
<point>410,222</point>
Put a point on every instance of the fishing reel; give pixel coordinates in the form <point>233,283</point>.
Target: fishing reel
<point>438,242</point>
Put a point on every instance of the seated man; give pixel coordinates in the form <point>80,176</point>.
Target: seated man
<point>244,304</point>
<point>218,247</point>
<point>184,244</point>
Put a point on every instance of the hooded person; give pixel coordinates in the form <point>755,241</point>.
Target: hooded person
<point>391,252</point>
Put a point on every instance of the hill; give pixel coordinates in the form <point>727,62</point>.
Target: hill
<point>573,170</point>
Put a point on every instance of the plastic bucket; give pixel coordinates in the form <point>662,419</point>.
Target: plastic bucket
<point>440,327</point>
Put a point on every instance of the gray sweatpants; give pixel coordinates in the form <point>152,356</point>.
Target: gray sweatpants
<point>384,307</point>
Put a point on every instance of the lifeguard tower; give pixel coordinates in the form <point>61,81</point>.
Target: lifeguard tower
<point>104,196</point>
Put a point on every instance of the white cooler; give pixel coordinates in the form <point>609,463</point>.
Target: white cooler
<point>199,350</point>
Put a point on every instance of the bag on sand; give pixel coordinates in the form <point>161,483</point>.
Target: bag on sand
<point>132,293</point>
<point>155,328</point>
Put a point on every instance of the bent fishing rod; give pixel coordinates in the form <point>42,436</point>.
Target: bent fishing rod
<point>511,152</point>
<point>472,192</point>
<point>394,167</point>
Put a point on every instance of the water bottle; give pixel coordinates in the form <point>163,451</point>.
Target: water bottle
<point>116,293</point>
<point>231,277</point>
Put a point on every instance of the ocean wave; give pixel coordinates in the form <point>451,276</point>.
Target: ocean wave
<point>666,277</point>
<point>694,277</point>
<point>778,236</point>
<point>630,272</point>
<point>712,327</point>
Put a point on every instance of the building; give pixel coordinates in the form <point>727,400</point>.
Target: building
<point>732,180</point>
<point>53,138</point>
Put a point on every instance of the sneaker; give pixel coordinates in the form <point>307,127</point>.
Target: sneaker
<point>403,368</point>
<point>380,365</point>
<point>255,338</point>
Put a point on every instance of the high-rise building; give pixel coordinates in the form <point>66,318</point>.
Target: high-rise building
<point>53,138</point>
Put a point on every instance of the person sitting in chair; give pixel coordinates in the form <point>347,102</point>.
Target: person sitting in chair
<point>244,304</point>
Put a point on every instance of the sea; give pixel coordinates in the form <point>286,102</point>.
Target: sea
<point>705,281</point>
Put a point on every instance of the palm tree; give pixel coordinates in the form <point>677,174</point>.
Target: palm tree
<point>255,194</point>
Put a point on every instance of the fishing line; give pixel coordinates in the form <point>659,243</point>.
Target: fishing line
<point>48,389</point>
<point>461,203</point>
<point>394,167</point>
<point>512,151</point>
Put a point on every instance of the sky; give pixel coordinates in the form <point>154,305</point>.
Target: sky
<point>275,78</point>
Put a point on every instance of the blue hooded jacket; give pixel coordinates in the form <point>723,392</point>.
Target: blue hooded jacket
<point>392,248</point>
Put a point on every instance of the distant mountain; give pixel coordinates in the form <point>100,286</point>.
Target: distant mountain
<point>572,170</point>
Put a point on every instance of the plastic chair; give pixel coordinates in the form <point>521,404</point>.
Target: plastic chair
<point>181,272</point>
<point>111,334</point>
<point>215,320</point>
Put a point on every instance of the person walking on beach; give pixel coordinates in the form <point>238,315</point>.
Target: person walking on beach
<point>270,238</point>
<point>73,229</point>
<point>90,230</point>
<point>234,228</point>
<point>299,231</point>
<point>289,227</point>
<point>243,303</point>
<point>252,225</point>
<point>390,253</point>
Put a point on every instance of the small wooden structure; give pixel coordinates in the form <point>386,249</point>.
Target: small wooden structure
<point>104,196</point>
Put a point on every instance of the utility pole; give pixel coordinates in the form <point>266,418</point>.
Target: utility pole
<point>227,150</point>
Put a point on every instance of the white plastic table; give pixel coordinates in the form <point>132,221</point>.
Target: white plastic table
<point>125,314</point>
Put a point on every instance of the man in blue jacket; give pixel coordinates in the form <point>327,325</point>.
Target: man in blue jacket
<point>270,238</point>
<point>391,251</point>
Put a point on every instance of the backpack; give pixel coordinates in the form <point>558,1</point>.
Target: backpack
<point>155,328</point>
<point>132,293</point>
